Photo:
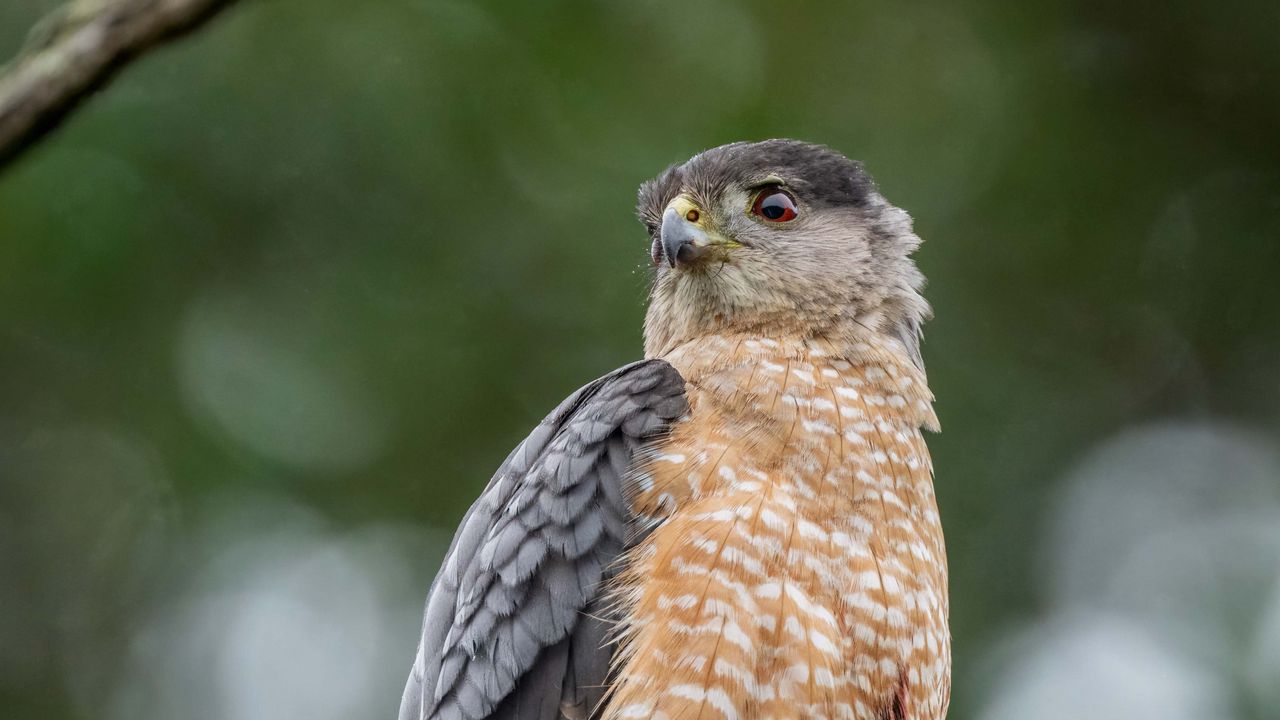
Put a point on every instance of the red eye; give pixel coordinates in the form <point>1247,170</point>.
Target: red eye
<point>774,205</point>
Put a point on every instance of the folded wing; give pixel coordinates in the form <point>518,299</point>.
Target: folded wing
<point>514,626</point>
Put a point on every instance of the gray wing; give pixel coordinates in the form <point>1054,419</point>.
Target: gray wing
<point>513,627</point>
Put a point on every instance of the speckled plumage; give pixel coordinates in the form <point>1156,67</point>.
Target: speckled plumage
<point>743,525</point>
<point>797,569</point>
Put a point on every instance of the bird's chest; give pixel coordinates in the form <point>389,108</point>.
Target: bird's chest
<point>833,440</point>
<point>797,546</point>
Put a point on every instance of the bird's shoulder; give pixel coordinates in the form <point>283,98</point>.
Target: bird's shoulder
<point>512,626</point>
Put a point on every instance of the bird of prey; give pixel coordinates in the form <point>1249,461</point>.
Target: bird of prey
<point>741,525</point>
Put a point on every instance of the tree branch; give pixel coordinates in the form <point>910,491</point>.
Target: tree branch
<point>77,50</point>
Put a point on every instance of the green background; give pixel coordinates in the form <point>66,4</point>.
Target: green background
<point>275,303</point>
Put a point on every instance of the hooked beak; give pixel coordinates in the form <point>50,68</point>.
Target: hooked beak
<point>683,243</point>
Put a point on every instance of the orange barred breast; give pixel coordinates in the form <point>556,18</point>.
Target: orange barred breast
<point>797,567</point>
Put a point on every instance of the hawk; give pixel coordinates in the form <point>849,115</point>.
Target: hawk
<point>742,525</point>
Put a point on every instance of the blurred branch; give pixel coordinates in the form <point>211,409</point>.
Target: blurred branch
<point>75,51</point>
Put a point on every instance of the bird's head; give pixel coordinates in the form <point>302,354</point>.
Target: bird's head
<point>777,237</point>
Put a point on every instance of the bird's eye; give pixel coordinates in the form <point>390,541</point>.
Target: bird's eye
<point>774,205</point>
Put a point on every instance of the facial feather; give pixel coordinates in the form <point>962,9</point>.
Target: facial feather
<point>843,264</point>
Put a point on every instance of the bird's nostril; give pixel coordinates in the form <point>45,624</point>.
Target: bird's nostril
<point>692,215</point>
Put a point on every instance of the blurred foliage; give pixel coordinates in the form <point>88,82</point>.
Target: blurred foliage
<point>348,253</point>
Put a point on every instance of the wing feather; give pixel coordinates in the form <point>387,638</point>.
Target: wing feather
<point>514,628</point>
